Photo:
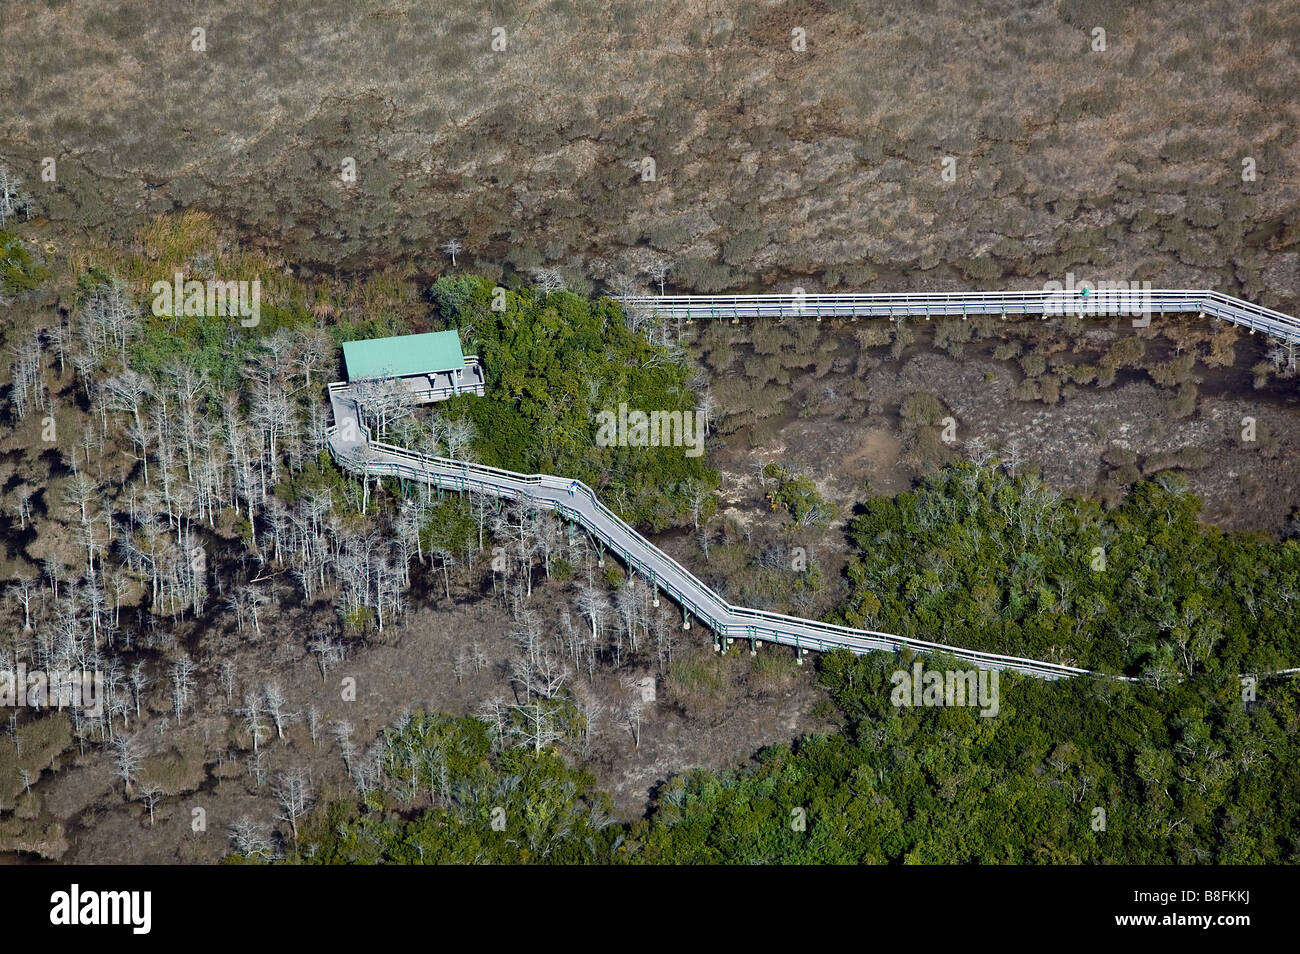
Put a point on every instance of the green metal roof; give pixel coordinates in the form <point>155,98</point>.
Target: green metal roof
<point>403,355</point>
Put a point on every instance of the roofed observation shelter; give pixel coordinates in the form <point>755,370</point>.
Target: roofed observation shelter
<point>430,364</point>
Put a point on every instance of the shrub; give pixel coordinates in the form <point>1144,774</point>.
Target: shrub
<point>668,236</point>
<point>697,684</point>
<point>799,496</point>
<point>1033,364</point>
<point>703,276</point>
<point>922,408</point>
<point>1125,353</point>
<point>741,249</point>
<point>1049,389</point>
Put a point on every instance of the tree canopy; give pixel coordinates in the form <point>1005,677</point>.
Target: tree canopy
<point>554,361</point>
<point>978,559</point>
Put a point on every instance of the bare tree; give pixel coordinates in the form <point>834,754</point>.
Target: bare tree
<point>226,678</point>
<point>328,650</point>
<point>594,605</point>
<point>632,715</point>
<point>1013,460</point>
<point>540,724</point>
<point>592,710</point>
<point>22,591</point>
<point>548,280</point>
<point>12,197</point>
<point>659,272</point>
<point>496,714</point>
<point>28,389</point>
<point>139,683</point>
<point>252,713</point>
<point>292,792</point>
<point>182,679</point>
<point>452,247</point>
<point>22,508</point>
<point>697,496</point>
<point>127,755</point>
<point>447,560</point>
<point>343,732</point>
<point>978,451</point>
<point>274,698</point>
<point>256,600</point>
<point>250,839</point>
<point>150,794</point>
<point>459,435</point>
<point>127,393</point>
<point>257,768</point>
<point>313,723</point>
<point>706,408</point>
<point>623,286</point>
<point>104,323</point>
<point>314,353</point>
<point>385,403</point>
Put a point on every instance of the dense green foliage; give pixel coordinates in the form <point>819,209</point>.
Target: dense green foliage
<point>19,271</point>
<point>216,345</point>
<point>543,810</point>
<point>554,361</point>
<point>450,526</point>
<point>318,476</point>
<point>1186,774</point>
<point>980,560</point>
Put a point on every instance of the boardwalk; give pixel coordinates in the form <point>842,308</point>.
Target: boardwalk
<point>352,446</point>
<point>1138,305</point>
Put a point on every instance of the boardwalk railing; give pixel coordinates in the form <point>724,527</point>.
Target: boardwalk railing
<point>474,382</point>
<point>1138,304</point>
